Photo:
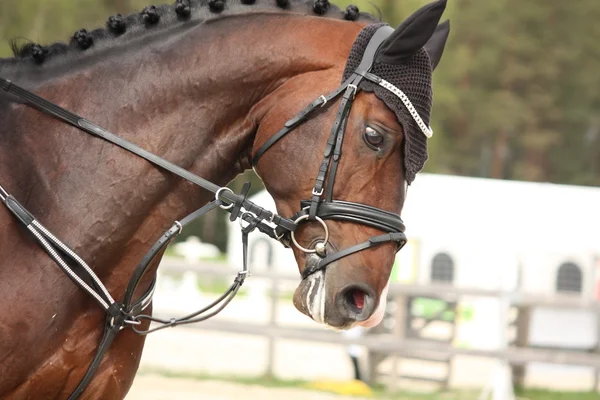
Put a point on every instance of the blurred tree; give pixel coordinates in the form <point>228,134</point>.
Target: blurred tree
<point>119,6</point>
<point>517,93</point>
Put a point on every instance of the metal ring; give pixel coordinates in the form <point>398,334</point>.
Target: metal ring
<point>323,224</point>
<point>132,321</point>
<point>242,218</point>
<point>217,198</point>
<point>277,237</point>
<point>322,97</point>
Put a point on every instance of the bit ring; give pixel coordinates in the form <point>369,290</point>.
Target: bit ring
<point>324,242</point>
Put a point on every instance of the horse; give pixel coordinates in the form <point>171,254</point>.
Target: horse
<point>205,85</point>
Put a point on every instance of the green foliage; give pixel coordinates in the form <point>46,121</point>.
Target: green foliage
<point>517,93</point>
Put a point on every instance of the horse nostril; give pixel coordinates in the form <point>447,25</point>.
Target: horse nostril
<point>356,299</point>
<point>356,302</point>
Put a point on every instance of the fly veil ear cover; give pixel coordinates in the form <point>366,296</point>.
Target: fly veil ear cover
<point>403,61</point>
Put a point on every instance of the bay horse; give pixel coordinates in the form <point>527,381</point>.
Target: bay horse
<point>214,87</point>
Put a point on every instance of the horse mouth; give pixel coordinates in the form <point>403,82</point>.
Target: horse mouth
<point>327,298</point>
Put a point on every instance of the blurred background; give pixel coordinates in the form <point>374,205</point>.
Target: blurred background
<point>498,287</point>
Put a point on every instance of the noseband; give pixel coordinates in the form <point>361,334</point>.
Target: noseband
<point>319,207</point>
<point>128,313</point>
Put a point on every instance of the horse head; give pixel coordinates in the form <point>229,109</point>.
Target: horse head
<point>348,167</point>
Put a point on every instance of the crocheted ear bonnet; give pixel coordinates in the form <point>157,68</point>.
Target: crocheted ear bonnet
<point>413,77</point>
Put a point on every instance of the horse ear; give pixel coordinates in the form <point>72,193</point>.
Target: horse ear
<point>436,44</point>
<point>412,34</point>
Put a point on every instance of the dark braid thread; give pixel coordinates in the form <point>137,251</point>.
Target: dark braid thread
<point>116,24</point>
<point>150,15</point>
<point>351,13</point>
<point>216,5</point>
<point>83,39</point>
<point>321,6</point>
<point>38,53</point>
<point>283,3</point>
<point>183,8</point>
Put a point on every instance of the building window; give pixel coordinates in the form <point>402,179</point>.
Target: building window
<point>568,278</point>
<point>442,268</point>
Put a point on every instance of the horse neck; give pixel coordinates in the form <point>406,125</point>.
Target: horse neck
<point>191,99</point>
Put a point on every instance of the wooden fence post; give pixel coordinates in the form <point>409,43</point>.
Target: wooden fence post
<point>274,295</point>
<point>597,351</point>
<point>400,327</point>
<point>521,340</point>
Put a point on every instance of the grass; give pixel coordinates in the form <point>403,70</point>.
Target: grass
<point>378,391</point>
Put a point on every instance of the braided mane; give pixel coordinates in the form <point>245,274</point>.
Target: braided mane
<point>120,29</point>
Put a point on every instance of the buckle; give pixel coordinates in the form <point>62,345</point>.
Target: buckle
<point>315,193</point>
<point>350,85</point>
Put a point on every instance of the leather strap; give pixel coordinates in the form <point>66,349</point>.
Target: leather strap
<point>340,126</point>
<point>111,329</point>
<point>368,57</point>
<point>356,212</point>
<point>299,118</point>
<point>144,301</point>
<point>83,124</point>
<point>397,237</point>
<point>216,306</point>
<point>64,257</point>
<point>18,210</point>
<point>333,143</point>
<point>157,248</point>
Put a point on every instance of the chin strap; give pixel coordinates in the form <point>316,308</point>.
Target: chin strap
<point>396,237</point>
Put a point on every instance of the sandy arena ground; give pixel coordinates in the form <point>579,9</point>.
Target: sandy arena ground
<point>190,352</point>
<point>154,387</point>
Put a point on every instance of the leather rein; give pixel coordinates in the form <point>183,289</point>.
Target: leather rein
<point>129,312</point>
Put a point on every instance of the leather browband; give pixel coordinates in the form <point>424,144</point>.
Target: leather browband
<point>356,212</point>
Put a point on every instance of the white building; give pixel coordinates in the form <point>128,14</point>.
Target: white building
<point>534,237</point>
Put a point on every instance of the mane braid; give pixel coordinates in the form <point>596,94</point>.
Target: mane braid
<point>153,17</point>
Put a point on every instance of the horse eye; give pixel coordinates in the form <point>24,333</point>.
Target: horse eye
<point>373,138</point>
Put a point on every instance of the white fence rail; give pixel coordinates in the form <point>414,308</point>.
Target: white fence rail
<point>390,343</point>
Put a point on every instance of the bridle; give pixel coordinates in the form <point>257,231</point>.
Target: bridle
<point>129,312</point>
<point>320,209</point>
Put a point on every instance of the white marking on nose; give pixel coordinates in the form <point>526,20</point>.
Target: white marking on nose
<point>316,303</point>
